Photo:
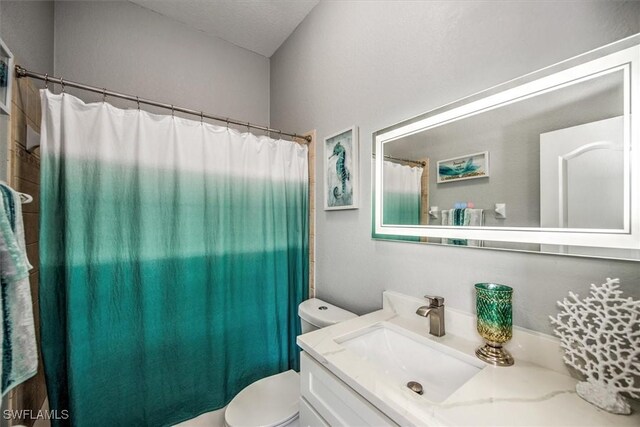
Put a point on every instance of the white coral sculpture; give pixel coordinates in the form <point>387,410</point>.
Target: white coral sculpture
<point>600,335</point>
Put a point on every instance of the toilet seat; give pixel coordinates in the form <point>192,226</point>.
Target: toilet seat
<point>270,402</point>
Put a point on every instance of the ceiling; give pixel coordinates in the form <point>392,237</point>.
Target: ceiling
<point>257,25</point>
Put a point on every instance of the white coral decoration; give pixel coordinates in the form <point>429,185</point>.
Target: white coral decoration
<point>601,339</point>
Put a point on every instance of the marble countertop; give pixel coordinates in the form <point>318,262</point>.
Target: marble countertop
<point>525,394</point>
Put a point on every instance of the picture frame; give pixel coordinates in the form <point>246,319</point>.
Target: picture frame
<point>6,78</point>
<point>462,168</point>
<point>341,170</point>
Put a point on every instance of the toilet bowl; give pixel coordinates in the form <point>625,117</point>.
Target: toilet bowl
<point>273,401</point>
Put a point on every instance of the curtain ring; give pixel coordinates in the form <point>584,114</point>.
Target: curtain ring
<point>227,120</point>
<point>46,81</point>
<point>104,94</point>
<point>201,117</point>
<point>138,101</point>
<point>248,127</point>
<point>172,112</point>
<point>62,84</point>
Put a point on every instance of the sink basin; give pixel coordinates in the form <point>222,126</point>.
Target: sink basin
<point>404,357</point>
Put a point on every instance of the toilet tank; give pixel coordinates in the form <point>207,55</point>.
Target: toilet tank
<point>315,314</point>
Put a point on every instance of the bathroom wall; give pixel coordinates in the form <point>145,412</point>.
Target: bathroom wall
<point>24,176</point>
<point>27,29</point>
<point>373,64</point>
<point>126,48</point>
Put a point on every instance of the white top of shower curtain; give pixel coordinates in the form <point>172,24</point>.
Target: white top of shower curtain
<point>127,171</point>
<point>400,178</point>
<point>113,135</point>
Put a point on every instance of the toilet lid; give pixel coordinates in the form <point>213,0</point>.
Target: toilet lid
<point>269,402</point>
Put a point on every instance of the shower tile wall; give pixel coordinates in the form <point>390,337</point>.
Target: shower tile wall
<point>312,213</point>
<point>24,176</point>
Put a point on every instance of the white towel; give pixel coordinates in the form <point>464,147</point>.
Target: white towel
<point>472,217</point>
<point>446,216</point>
<point>475,217</point>
<point>17,334</point>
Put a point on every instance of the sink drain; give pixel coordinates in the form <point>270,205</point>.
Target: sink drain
<point>415,387</point>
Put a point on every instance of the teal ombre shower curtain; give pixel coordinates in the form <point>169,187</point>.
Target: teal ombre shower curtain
<point>402,192</point>
<point>173,257</point>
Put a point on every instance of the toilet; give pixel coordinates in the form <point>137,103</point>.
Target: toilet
<point>273,401</point>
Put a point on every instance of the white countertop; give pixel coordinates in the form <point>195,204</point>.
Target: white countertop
<point>525,394</point>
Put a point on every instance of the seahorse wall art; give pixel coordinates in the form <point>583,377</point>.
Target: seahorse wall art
<point>340,187</point>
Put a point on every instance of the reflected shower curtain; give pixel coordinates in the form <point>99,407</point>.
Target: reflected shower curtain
<point>174,255</point>
<point>402,188</point>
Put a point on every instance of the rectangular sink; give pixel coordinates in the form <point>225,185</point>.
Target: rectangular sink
<point>406,357</point>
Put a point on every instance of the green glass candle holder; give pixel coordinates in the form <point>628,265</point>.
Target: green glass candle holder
<point>495,322</point>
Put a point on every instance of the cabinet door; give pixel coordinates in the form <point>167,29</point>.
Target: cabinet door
<point>334,401</point>
<point>309,417</point>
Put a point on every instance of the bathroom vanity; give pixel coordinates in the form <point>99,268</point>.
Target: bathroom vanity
<point>356,373</point>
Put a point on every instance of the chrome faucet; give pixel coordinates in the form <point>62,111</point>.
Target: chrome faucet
<point>435,312</point>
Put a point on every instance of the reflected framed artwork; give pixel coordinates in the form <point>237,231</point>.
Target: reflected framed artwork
<point>341,183</point>
<point>470,166</point>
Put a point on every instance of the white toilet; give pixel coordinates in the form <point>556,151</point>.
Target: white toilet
<point>273,401</point>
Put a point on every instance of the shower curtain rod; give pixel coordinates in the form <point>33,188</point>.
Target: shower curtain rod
<point>22,72</point>
<point>415,162</point>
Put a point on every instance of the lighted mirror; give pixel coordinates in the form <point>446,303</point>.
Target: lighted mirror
<point>546,163</point>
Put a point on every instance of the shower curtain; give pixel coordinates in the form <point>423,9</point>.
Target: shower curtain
<point>402,192</point>
<point>174,255</point>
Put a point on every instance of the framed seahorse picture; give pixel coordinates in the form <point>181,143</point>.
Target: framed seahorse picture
<point>341,183</point>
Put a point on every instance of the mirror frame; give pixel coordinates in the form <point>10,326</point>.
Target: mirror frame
<point>623,55</point>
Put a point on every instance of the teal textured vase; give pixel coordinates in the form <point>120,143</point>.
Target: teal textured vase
<point>495,322</point>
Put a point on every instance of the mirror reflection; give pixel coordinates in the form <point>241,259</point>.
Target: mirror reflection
<point>542,163</point>
<point>554,160</point>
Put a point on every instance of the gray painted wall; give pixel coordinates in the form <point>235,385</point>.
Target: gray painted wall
<point>124,47</point>
<point>27,28</point>
<point>373,64</point>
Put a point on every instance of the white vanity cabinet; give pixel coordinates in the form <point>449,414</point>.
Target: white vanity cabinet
<point>343,386</point>
<point>327,401</point>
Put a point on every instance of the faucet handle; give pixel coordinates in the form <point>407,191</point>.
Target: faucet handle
<point>435,301</point>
